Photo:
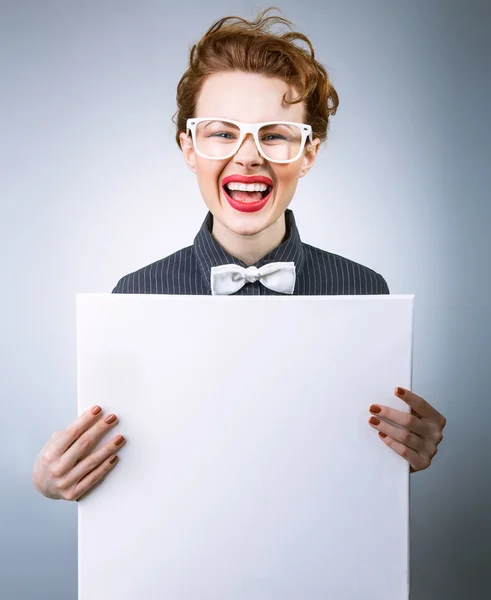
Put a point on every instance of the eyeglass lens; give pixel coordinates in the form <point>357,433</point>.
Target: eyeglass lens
<point>218,139</point>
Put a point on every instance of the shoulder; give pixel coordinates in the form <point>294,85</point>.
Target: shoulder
<point>157,277</point>
<point>343,275</point>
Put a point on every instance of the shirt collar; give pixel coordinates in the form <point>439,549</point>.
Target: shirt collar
<point>210,254</point>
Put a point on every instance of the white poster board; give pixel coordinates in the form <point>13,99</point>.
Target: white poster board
<point>250,471</point>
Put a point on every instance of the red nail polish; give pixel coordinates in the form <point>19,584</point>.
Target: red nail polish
<point>400,391</point>
<point>382,435</point>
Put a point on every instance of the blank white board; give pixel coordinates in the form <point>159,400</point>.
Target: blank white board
<point>250,471</point>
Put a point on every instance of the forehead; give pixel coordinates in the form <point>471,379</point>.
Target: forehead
<point>248,97</point>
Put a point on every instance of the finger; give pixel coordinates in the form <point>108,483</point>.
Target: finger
<point>406,420</point>
<point>417,461</point>
<point>92,478</point>
<point>86,443</point>
<point>91,462</point>
<point>84,449</point>
<point>70,435</point>
<point>399,434</point>
<point>420,406</point>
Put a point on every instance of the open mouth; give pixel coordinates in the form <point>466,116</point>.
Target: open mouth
<point>244,196</point>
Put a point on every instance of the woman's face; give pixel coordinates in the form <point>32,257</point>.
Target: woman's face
<point>250,98</point>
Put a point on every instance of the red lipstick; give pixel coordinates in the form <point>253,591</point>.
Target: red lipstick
<point>247,206</point>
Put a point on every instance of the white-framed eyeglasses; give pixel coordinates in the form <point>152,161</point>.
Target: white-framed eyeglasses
<point>217,138</point>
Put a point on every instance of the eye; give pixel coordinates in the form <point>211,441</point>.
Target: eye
<point>274,136</point>
<point>222,133</point>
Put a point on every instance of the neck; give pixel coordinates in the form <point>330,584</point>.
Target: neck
<point>250,248</point>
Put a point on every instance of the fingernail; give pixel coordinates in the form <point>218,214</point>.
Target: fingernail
<point>110,419</point>
<point>96,410</point>
<point>375,409</point>
<point>374,421</point>
<point>113,459</point>
<point>119,440</point>
<point>400,391</point>
<point>382,435</point>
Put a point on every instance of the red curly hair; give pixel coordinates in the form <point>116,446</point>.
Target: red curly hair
<point>233,43</point>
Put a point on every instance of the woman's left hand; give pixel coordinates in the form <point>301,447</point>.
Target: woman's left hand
<point>421,431</point>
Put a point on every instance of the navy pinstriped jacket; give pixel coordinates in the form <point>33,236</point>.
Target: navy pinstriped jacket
<point>318,272</point>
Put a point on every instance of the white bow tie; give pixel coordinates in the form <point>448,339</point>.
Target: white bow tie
<point>277,276</point>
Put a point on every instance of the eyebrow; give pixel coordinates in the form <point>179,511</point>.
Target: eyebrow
<point>211,122</point>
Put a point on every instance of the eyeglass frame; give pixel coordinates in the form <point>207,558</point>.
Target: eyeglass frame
<point>246,128</point>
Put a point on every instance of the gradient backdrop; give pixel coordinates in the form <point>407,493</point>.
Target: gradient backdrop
<point>94,187</point>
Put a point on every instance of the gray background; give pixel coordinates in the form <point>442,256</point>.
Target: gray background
<point>94,187</point>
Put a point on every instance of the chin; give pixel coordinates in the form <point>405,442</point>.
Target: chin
<point>244,224</point>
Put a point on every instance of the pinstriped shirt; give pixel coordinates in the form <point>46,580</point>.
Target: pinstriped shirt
<point>188,270</point>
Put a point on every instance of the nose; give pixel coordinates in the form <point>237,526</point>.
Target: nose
<point>247,154</point>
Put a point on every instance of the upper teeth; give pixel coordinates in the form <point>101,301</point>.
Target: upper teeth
<point>247,187</point>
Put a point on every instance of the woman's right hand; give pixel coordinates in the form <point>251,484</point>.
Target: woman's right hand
<point>65,468</point>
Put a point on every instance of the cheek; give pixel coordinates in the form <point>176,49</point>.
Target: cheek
<point>208,176</point>
<point>288,177</point>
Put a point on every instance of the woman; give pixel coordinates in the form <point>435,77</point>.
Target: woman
<point>253,109</point>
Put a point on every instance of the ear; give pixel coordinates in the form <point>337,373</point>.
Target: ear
<point>188,150</point>
<point>310,155</point>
